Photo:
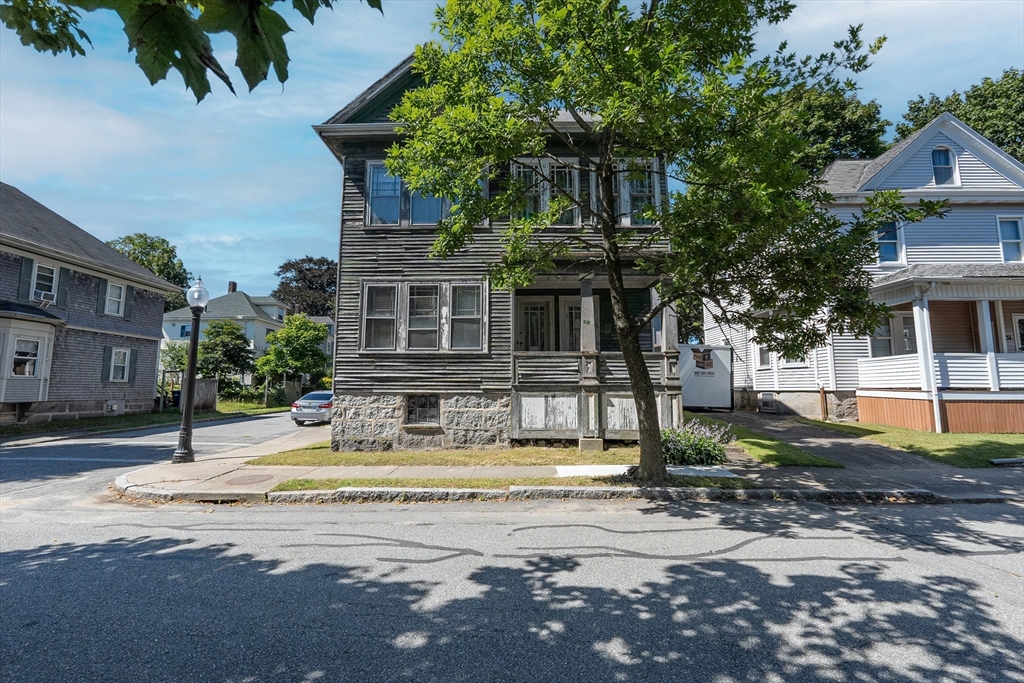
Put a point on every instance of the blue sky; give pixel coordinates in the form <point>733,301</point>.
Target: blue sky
<point>240,184</point>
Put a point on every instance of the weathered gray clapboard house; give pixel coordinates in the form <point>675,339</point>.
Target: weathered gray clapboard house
<point>428,354</point>
<point>79,322</point>
<point>951,358</point>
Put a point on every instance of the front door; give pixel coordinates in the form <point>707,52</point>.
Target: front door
<point>569,325</point>
<point>908,344</point>
<point>534,324</point>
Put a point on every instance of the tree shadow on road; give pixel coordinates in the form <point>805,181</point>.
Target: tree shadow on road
<point>158,609</point>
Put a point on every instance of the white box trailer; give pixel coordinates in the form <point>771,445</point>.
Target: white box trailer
<point>705,373</point>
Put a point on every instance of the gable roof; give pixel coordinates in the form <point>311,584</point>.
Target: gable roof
<point>27,224</point>
<point>269,301</point>
<point>233,305</point>
<point>398,79</point>
<point>860,175</point>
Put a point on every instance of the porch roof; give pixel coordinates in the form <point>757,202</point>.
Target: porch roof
<point>951,281</point>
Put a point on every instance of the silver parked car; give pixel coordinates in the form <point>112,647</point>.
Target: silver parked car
<point>314,407</point>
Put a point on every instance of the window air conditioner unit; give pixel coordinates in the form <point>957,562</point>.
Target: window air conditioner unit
<point>44,296</point>
<point>766,402</point>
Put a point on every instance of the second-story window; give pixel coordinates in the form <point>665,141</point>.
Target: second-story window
<point>390,202</point>
<point>888,240</point>
<point>381,310</point>
<point>115,299</point>
<point>942,165</point>
<point>185,331</point>
<point>1012,239</point>
<point>544,180</point>
<point>641,186</point>
<point>44,286</point>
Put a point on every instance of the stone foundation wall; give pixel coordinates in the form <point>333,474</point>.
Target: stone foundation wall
<point>842,405</point>
<point>363,422</point>
<point>46,411</point>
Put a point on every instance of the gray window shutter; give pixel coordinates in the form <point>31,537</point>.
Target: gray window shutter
<point>25,286</point>
<point>133,355</point>
<point>62,287</point>
<point>101,300</point>
<point>108,351</point>
<point>129,296</point>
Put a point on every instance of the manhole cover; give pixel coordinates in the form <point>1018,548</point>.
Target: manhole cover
<point>249,479</point>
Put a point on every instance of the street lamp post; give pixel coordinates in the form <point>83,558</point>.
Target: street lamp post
<point>197,297</point>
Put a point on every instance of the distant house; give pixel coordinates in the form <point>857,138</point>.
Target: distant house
<point>79,322</point>
<point>951,357</point>
<point>257,315</point>
<point>328,345</point>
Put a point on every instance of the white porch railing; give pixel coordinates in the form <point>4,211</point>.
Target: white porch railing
<point>962,371</point>
<point>890,372</point>
<point>1011,370</point>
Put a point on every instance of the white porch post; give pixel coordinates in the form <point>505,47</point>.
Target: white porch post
<point>589,418</point>
<point>671,407</point>
<point>926,356</point>
<point>988,346</point>
<point>1003,347</point>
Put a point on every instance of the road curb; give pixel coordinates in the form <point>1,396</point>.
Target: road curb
<point>519,493</point>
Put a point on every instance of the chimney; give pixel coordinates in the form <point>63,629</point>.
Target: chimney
<point>232,286</point>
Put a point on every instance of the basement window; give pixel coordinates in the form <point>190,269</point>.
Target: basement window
<point>422,410</point>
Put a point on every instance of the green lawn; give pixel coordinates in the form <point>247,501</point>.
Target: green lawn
<point>320,454</point>
<point>769,450</point>
<point>494,483</point>
<point>224,410</point>
<point>958,450</point>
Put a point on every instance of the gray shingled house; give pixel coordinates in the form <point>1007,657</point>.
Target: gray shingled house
<point>79,322</point>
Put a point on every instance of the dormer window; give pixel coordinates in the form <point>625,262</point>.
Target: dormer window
<point>888,240</point>
<point>942,165</point>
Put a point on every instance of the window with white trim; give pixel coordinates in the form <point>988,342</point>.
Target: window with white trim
<point>1011,236</point>
<point>185,331</point>
<point>942,166</point>
<point>44,283</point>
<point>467,318</point>
<point>115,299</point>
<point>764,357</point>
<point>799,362</point>
<point>26,357</point>
<point>380,316</point>
<point>423,317</point>
<point>888,239</point>
<point>119,364</point>
<point>642,186</point>
<point>391,202</point>
<point>881,340</point>
<point>542,181</point>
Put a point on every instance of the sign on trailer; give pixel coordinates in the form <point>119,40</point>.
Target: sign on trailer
<point>706,375</point>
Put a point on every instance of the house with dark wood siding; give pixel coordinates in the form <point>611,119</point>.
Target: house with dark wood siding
<point>428,354</point>
<point>79,322</point>
<point>951,356</point>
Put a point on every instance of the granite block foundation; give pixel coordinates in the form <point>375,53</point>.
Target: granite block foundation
<point>378,422</point>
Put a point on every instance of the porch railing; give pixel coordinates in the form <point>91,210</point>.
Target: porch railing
<point>612,368</point>
<point>962,371</point>
<point>890,372</point>
<point>556,368</point>
<point>1011,370</point>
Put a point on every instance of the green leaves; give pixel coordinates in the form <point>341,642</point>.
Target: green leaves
<point>295,348</point>
<point>172,34</point>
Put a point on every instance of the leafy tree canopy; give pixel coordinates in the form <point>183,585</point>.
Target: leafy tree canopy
<point>994,108</point>
<point>174,355</point>
<point>171,34</point>
<point>224,351</point>
<point>612,84</point>
<point>308,285</point>
<point>295,348</point>
<point>161,258</point>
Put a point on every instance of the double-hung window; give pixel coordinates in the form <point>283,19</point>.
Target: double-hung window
<point>942,166</point>
<point>26,357</point>
<point>881,340</point>
<point>44,284</point>
<point>423,317</point>
<point>119,365</point>
<point>185,331</point>
<point>467,322</point>
<point>888,240</point>
<point>642,193</point>
<point>381,313</point>
<point>391,202</point>
<point>115,299</point>
<point>764,357</point>
<point>1012,239</point>
<point>544,181</point>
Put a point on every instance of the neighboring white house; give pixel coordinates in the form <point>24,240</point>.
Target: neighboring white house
<point>951,357</point>
<point>328,345</point>
<point>257,315</point>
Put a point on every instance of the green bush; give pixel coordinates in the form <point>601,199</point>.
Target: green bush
<point>695,444</point>
<point>241,394</point>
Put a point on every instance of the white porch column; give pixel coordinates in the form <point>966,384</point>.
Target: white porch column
<point>1003,346</point>
<point>589,418</point>
<point>672,399</point>
<point>926,355</point>
<point>988,346</point>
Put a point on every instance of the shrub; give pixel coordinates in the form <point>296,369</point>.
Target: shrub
<point>695,444</point>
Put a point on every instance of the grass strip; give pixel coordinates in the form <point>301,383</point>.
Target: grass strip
<point>958,450</point>
<point>675,481</point>
<point>320,454</point>
<point>224,410</point>
<point>769,450</point>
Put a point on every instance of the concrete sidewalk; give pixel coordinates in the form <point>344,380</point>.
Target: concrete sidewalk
<point>872,472</point>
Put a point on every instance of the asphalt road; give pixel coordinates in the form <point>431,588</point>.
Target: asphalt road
<point>93,588</point>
